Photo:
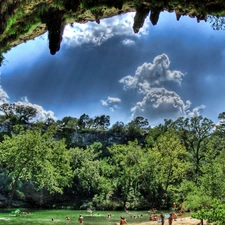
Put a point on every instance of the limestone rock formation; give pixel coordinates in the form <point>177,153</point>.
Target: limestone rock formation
<point>22,20</point>
<point>141,14</point>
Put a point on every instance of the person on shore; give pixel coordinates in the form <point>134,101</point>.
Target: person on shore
<point>175,206</point>
<point>201,222</point>
<point>155,218</point>
<point>81,219</point>
<point>162,219</point>
<point>180,214</point>
<point>170,219</point>
<point>175,216</point>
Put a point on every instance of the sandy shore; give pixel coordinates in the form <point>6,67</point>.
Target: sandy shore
<point>184,221</point>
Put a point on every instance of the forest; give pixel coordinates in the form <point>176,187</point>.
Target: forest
<point>180,161</point>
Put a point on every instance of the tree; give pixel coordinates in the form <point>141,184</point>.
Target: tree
<point>148,185</point>
<point>69,122</point>
<point>7,109</point>
<point>141,121</point>
<point>133,131</point>
<point>85,166</point>
<point>213,213</point>
<point>25,113</point>
<point>22,113</point>
<point>35,156</point>
<point>126,161</point>
<point>101,122</point>
<point>118,128</point>
<point>84,122</point>
<point>170,158</point>
<point>194,133</point>
<point>217,22</point>
<point>213,173</point>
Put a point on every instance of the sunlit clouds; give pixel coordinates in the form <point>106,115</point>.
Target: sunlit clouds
<point>4,98</point>
<point>157,101</point>
<point>42,114</point>
<point>162,72</point>
<point>128,42</point>
<point>111,103</point>
<point>152,74</point>
<point>96,34</point>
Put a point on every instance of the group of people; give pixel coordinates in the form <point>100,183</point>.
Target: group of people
<point>80,219</point>
<point>152,216</point>
<point>161,218</point>
<point>135,217</point>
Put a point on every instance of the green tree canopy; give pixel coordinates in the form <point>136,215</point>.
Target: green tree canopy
<point>35,156</point>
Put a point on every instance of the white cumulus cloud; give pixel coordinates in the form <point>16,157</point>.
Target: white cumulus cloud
<point>128,42</point>
<point>4,98</point>
<point>42,114</point>
<point>157,102</point>
<point>111,102</point>
<point>196,111</point>
<point>149,75</point>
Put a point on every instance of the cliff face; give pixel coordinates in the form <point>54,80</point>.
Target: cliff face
<point>22,20</point>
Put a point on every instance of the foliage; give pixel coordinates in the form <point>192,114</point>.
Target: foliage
<point>194,133</point>
<point>35,156</point>
<point>214,213</point>
<point>150,172</point>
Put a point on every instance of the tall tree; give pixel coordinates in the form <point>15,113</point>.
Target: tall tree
<point>33,156</point>
<point>85,166</point>
<point>194,133</point>
<point>101,122</point>
<point>25,113</point>
<point>84,122</point>
<point>126,161</point>
<point>170,158</point>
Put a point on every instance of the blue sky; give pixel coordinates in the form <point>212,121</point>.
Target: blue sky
<point>173,69</point>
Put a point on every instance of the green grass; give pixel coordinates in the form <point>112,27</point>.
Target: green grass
<point>40,217</point>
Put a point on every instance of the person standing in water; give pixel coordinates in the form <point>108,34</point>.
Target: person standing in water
<point>81,219</point>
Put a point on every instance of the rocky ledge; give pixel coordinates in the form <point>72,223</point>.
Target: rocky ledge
<point>23,20</point>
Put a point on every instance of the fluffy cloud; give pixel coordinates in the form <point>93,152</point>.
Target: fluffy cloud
<point>111,102</point>
<point>153,74</point>
<point>4,98</point>
<point>96,34</point>
<point>128,42</point>
<point>195,111</point>
<point>157,102</point>
<point>42,114</point>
